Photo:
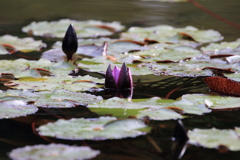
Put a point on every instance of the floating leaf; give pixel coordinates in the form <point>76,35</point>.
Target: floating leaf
<point>215,138</point>
<point>90,28</point>
<point>27,44</point>
<point>15,108</point>
<point>221,48</point>
<point>93,129</point>
<point>223,85</point>
<point>57,82</point>
<point>53,152</point>
<point>165,33</point>
<point>174,55</point>
<point>155,108</point>
<point>214,101</point>
<point>192,67</point>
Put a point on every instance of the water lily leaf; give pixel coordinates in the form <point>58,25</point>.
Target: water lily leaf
<point>100,64</point>
<point>223,85</point>
<point>58,82</point>
<point>15,108</point>
<point>155,108</point>
<point>215,138</point>
<point>159,114</point>
<point>174,55</point>
<point>60,98</point>
<point>165,33</point>
<point>53,152</point>
<point>90,28</point>
<point>93,129</point>
<point>214,101</point>
<point>221,48</point>
<point>89,41</point>
<point>192,67</point>
<point>22,44</point>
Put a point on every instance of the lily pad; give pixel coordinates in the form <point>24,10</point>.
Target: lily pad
<point>154,108</point>
<point>53,152</point>
<point>174,55</point>
<point>27,44</point>
<point>15,108</point>
<point>93,129</point>
<point>57,82</point>
<point>90,28</point>
<point>221,48</point>
<point>193,67</point>
<point>165,33</point>
<point>100,64</point>
<point>215,138</point>
<point>60,98</point>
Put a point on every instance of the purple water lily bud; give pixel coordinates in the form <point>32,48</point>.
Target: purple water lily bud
<point>70,43</point>
<point>118,79</point>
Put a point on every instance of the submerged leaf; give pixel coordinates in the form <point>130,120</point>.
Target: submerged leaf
<point>92,129</point>
<point>53,152</point>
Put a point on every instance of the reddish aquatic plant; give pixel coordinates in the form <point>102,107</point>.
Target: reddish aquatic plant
<point>223,85</point>
<point>118,79</point>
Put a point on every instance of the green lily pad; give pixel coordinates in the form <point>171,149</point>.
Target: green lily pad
<point>22,44</point>
<point>155,108</point>
<point>214,138</point>
<point>214,101</point>
<point>53,152</point>
<point>60,98</point>
<point>15,108</point>
<point>93,129</point>
<point>25,68</point>
<point>221,48</point>
<point>233,76</point>
<point>192,68</point>
<point>165,33</point>
<point>90,28</point>
<point>100,64</point>
<point>175,54</point>
<point>57,82</point>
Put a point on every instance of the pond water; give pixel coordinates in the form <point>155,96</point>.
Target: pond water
<point>18,132</point>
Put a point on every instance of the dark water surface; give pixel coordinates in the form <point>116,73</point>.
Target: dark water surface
<point>14,14</point>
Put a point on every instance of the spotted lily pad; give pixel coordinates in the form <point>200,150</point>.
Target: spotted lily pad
<point>94,129</point>
<point>15,108</point>
<point>22,44</point>
<point>165,33</point>
<point>57,82</point>
<point>53,152</point>
<point>90,28</point>
<point>215,138</point>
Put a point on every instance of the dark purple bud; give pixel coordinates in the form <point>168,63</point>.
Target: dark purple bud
<point>110,82</point>
<point>125,78</point>
<point>70,43</point>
